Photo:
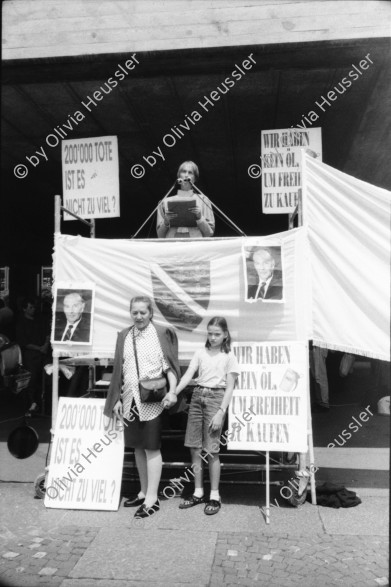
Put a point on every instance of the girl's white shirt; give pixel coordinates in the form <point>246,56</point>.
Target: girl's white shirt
<point>213,367</point>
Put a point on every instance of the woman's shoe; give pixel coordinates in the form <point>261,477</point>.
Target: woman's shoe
<point>134,501</point>
<point>191,501</point>
<point>212,507</point>
<point>145,512</point>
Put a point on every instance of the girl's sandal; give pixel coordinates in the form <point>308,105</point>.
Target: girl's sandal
<point>212,507</point>
<point>190,502</point>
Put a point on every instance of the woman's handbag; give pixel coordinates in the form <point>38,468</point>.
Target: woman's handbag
<point>151,390</point>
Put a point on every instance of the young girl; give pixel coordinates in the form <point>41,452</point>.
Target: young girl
<point>217,372</point>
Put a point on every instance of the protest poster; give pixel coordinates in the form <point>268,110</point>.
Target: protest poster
<point>86,460</point>
<point>281,166</point>
<point>90,177</point>
<point>74,313</point>
<point>268,410</point>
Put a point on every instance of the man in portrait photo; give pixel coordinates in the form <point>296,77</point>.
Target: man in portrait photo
<point>73,324</point>
<point>269,278</point>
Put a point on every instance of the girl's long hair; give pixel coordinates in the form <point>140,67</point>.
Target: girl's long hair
<point>222,323</point>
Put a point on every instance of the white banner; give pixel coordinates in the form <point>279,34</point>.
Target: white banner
<point>90,177</point>
<point>190,281</point>
<point>281,166</point>
<point>349,245</point>
<point>268,410</point>
<point>86,460</point>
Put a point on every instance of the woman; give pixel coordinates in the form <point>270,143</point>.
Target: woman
<point>203,214</point>
<point>157,353</point>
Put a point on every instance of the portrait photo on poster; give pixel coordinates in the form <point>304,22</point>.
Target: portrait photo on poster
<point>263,273</point>
<point>74,310</point>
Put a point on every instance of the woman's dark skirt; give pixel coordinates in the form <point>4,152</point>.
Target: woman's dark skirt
<point>146,435</point>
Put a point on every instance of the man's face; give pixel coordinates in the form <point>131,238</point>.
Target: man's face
<point>264,264</point>
<point>73,307</point>
<point>29,311</point>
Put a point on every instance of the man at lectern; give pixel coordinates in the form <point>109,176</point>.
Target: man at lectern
<point>186,214</point>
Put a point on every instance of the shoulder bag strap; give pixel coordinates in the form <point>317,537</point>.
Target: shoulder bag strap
<point>135,354</point>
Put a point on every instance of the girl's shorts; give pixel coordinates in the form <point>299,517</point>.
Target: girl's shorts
<point>205,403</point>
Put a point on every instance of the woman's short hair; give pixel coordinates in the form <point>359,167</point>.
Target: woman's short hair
<point>193,166</point>
<point>222,323</point>
<point>145,299</point>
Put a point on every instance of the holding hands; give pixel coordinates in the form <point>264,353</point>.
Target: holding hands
<point>169,401</point>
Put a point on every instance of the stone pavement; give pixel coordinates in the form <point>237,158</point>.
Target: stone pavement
<point>280,559</point>
<point>44,557</point>
<point>308,546</point>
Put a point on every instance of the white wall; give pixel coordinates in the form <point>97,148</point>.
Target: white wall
<point>54,28</point>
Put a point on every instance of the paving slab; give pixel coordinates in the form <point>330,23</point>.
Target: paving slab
<point>238,517</point>
<point>370,518</point>
<point>306,560</point>
<point>178,556</point>
<point>352,458</point>
<point>96,518</point>
<point>364,492</point>
<point>23,512</point>
<point>123,583</point>
<point>231,517</point>
<point>309,545</point>
<point>22,470</point>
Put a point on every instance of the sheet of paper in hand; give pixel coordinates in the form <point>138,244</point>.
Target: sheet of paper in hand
<point>181,205</point>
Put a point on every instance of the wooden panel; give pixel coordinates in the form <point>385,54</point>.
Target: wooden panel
<point>48,28</point>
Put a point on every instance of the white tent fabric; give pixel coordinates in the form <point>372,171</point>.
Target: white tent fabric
<point>348,223</point>
<point>335,273</point>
